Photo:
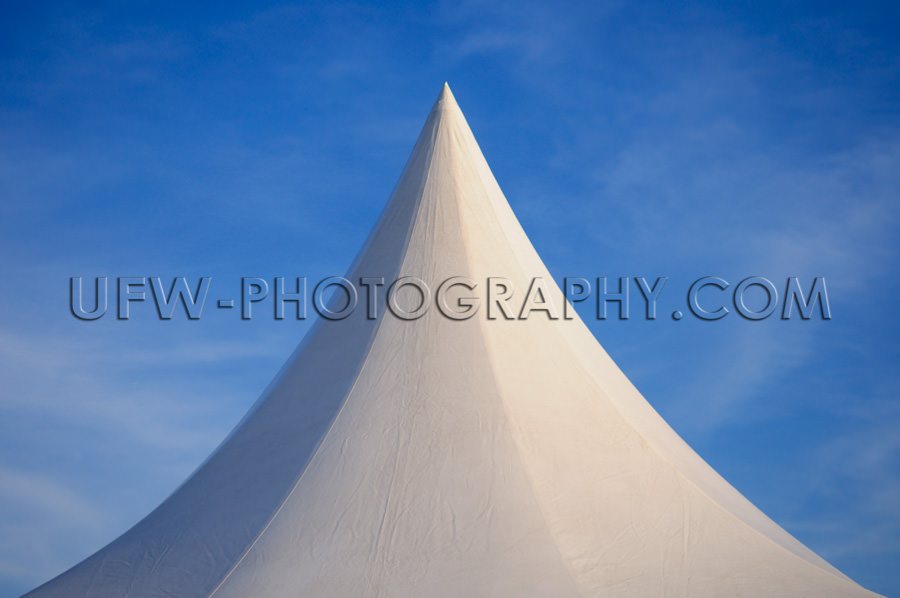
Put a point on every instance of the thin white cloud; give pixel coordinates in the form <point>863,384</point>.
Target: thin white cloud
<point>46,523</point>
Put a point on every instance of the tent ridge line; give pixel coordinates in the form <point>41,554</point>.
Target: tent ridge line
<point>488,181</point>
<point>409,233</point>
<point>296,483</point>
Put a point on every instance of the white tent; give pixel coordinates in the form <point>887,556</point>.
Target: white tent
<point>445,457</point>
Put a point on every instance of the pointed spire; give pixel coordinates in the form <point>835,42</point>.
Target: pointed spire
<point>445,99</point>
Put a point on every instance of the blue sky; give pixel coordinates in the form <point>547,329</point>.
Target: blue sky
<point>660,139</point>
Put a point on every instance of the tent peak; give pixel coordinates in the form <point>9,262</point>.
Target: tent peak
<point>445,98</point>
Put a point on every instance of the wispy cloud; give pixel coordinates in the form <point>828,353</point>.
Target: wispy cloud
<point>138,415</point>
<point>521,34</point>
<point>47,523</point>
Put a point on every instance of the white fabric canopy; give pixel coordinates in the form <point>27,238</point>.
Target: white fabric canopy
<point>441,457</point>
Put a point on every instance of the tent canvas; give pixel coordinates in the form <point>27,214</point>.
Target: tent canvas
<point>444,457</point>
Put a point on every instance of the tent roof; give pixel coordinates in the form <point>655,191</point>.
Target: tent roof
<point>437,456</point>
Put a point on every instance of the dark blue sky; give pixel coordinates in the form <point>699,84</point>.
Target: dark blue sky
<point>660,139</point>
